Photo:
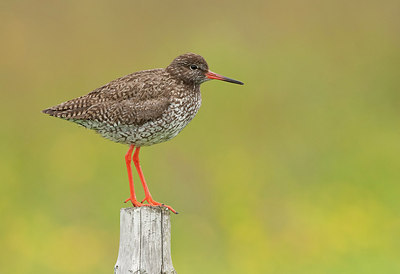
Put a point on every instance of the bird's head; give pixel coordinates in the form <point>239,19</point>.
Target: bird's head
<point>191,68</point>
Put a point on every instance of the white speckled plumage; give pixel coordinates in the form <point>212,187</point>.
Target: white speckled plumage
<point>176,116</point>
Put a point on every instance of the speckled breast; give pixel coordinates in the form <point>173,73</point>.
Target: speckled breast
<point>179,113</point>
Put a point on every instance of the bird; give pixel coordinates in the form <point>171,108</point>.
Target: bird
<point>142,109</point>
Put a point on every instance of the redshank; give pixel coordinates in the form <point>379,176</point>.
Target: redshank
<point>142,109</point>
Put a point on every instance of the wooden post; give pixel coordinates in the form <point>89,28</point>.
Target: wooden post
<point>145,241</point>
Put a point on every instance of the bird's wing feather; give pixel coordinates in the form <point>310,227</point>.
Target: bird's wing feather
<point>127,112</point>
<point>133,99</point>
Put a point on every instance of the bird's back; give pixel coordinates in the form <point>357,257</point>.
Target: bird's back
<point>132,99</point>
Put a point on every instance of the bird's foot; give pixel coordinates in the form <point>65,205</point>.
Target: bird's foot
<point>154,203</point>
<point>135,203</point>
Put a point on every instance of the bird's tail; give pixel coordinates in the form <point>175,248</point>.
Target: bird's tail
<point>72,109</point>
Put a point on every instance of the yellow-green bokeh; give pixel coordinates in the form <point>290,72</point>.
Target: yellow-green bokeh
<point>298,171</point>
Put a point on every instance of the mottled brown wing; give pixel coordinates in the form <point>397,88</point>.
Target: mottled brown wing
<point>133,99</point>
<point>127,112</point>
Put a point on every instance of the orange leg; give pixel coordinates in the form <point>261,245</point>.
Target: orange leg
<point>147,197</point>
<point>128,159</point>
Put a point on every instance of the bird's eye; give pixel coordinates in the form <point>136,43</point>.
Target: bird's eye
<point>193,67</point>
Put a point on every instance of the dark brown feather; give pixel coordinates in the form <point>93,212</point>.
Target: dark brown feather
<point>132,99</point>
<point>127,112</point>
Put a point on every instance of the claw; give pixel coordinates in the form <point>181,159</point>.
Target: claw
<point>154,203</point>
<point>135,203</point>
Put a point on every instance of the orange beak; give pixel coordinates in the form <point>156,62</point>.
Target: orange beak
<point>212,75</point>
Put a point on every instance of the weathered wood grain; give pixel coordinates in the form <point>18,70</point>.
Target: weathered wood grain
<point>145,241</point>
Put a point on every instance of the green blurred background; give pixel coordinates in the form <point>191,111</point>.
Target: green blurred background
<point>298,171</point>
